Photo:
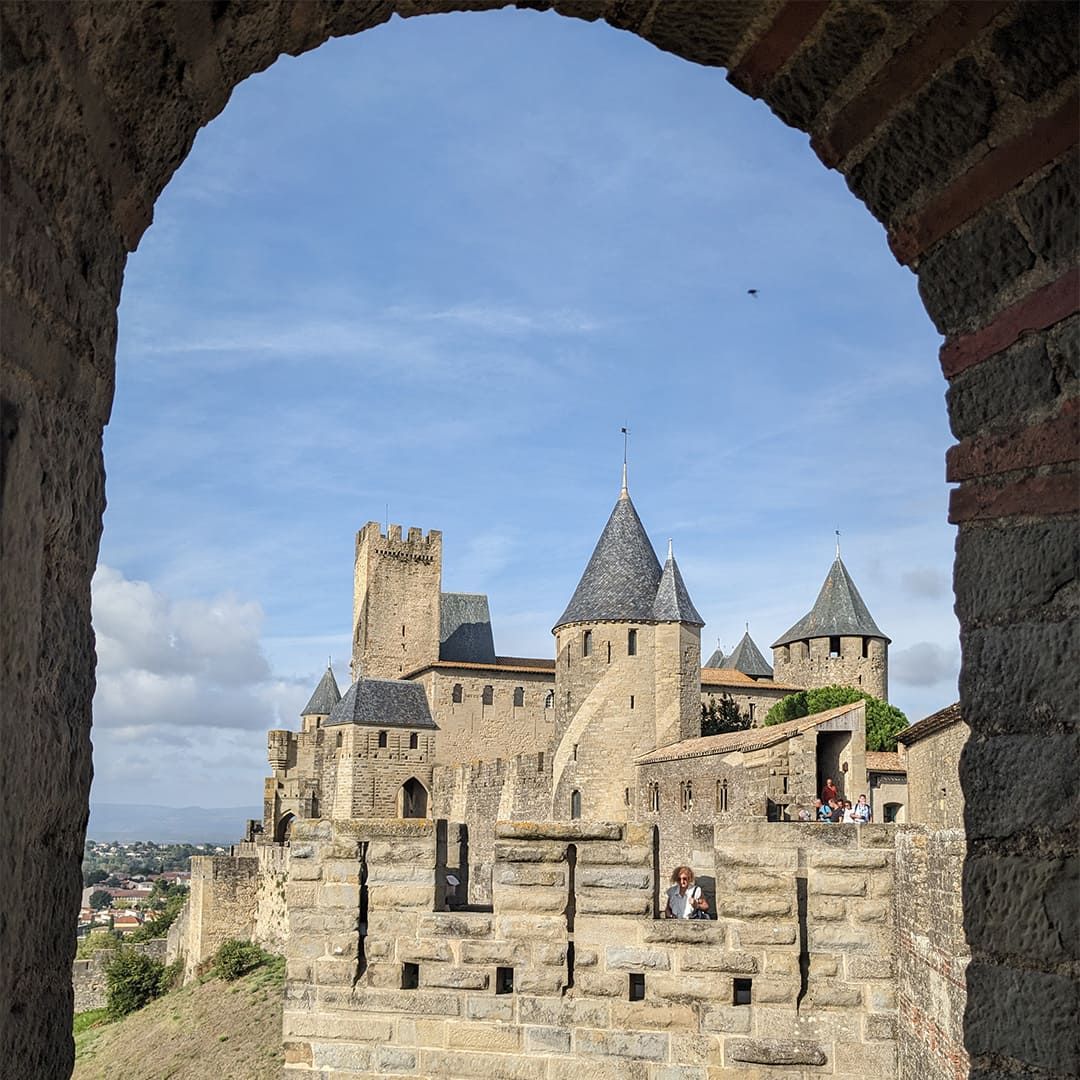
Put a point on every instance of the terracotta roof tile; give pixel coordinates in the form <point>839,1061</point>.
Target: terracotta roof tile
<point>731,677</point>
<point>928,725</point>
<point>880,761</point>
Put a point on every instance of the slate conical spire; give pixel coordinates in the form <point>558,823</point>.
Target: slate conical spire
<point>673,603</point>
<point>325,697</point>
<point>717,658</point>
<point>620,580</point>
<point>746,657</point>
<point>838,611</point>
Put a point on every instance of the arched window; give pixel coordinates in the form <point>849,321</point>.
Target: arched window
<point>549,700</point>
<point>892,811</point>
<point>586,643</point>
<point>456,694</point>
<point>488,697</point>
<point>338,740</point>
<point>413,799</point>
<point>414,740</point>
<point>575,805</point>
<point>865,648</point>
<point>654,798</point>
<point>686,796</point>
<point>631,643</point>
<point>721,796</point>
<point>834,647</point>
<point>382,739</point>
<point>519,696</point>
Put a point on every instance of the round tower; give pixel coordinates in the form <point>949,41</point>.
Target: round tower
<point>836,642</point>
<point>627,672</point>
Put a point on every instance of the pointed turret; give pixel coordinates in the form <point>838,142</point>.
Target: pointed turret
<point>717,658</point>
<point>746,657</point>
<point>838,611</point>
<point>325,697</point>
<point>620,581</point>
<point>673,603</point>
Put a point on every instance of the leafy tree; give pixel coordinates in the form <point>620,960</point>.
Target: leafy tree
<point>100,899</point>
<point>159,925</point>
<point>113,881</point>
<point>95,942</point>
<point>94,877</point>
<point>132,980</point>
<point>235,958</point>
<point>719,717</point>
<point>883,721</point>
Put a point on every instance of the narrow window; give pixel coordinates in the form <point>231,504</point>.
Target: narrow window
<point>631,643</point>
<point>686,795</point>
<point>742,992</point>
<point>540,761</point>
<point>785,653</point>
<point>654,798</point>
<point>721,796</point>
<point>575,805</point>
<point>410,976</point>
<point>752,710</point>
<point>865,647</point>
<point>488,697</point>
<point>806,650</point>
<point>575,751</point>
<point>626,796</point>
<point>414,741</point>
<point>586,644</point>
<point>382,739</point>
<point>402,629</point>
<point>834,647</point>
<point>504,980</point>
<point>631,701</point>
<point>549,700</point>
<point>456,694</point>
<point>609,652</point>
<point>637,986</point>
<point>519,696</point>
<point>337,741</point>
<point>568,699</point>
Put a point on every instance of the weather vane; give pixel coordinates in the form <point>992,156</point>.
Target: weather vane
<point>625,449</point>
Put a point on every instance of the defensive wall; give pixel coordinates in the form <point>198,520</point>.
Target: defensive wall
<point>572,974</point>
<point>88,976</point>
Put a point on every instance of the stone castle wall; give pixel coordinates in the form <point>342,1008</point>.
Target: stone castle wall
<point>808,664</point>
<point>933,778</point>
<point>571,975</point>
<point>88,976</point>
<point>753,701</point>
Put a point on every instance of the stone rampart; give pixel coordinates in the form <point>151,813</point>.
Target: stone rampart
<point>572,975</point>
<point>88,976</point>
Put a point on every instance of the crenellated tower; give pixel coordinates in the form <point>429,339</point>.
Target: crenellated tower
<point>395,601</point>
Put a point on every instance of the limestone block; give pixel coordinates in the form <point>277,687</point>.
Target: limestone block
<point>530,928</point>
<point>297,1053</point>
<point>382,976</point>
<point>865,1059</point>
<point>413,952</point>
<point>535,900</point>
<point>395,897</point>
<point>635,959</point>
<point>493,952</point>
<point>775,990</point>
<point>299,894</point>
<point>870,967</point>
<point>478,1007</point>
<point>456,924</point>
<point>879,1026</point>
<point>394,924</point>
<point>530,874</point>
<point>825,883</point>
<point>599,984</point>
<point>651,1046</point>
<point>422,1032</point>
<point>871,910</point>
<point>726,1019</point>
<point>820,909</point>
<point>688,988</point>
<point>409,852</point>
<point>465,1064</point>
<point>297,970</point>
<point>394,1059</point>
<point>688,931</point>
<point>542,982</point>
<point>652,1016</point>
<point>823,965</point>
<point>763,934</point>
<point>635,904</point>
<point>781,963</point>
<point>564,1012</point>
<point>764,907</point>
<point>395,874</point>
<point>572,831</point>
<point>443,976</point>
<point>715,960</point>
<point>410,1002</point>
<point>378,948</point>
<point>529,853</point>
<point>547,1040</point>
<point>575,1068</point>
<point>306,946</point>
<point>776,1052</point>
<point>881,998</point>
<point>766,857</point>
<point>882,884</point>
<point>614,855</point>
<point>847,860</point>
<point>480,1036</point>
<point>357,1027</point>
<point>681,1072</point>
<point>304,870</point>
<point>876,836</point>
<point>831,994</point>
<point>551,954</point>
<point>752,881</point>
<point>840,938</point>
<point>341,870</point>
<point>695,1049</point>
<point>608,878</point>
<point>349,1057</point>
<point>340,896</point>
<point>584,958</point>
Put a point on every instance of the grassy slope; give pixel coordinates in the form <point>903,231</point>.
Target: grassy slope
<point>207,1031</point>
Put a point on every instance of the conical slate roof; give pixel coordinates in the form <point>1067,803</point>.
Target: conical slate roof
<point>746,657</point>
<point>620,580</point>
<point>326,696</point>
<point>838,611</point>
<point>383,703</point>
<point>717,658</point>
<point>673,603</point>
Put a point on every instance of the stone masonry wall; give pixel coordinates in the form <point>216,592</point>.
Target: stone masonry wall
<point>88,976</point>
<point>571,975</point>
<point>808,664</point>
<point>933,955</point>
<point>935,797</point>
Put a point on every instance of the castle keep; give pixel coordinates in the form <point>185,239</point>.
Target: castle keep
<point>465,856</point>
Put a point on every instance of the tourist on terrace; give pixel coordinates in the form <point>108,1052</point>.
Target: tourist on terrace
<point>861,812</point>
<point>848,817</point>
<point>829,791</point>
<point>684,897</point>
<point>822,812</point>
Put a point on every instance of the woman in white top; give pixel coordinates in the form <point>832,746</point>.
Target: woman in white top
<point>684,897</point>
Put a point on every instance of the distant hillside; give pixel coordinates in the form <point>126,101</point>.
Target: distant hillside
<point>214,1031</point>
<point>169,824</point>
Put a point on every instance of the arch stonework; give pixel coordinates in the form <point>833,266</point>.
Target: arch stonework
<point>955,124</point>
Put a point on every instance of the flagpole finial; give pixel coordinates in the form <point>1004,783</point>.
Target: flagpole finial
<point>670,549</point>
<point>838,543</point>
<point>625,445</point>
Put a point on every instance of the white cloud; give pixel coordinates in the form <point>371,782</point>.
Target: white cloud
<point>927,582</point>
<point>925,664</point>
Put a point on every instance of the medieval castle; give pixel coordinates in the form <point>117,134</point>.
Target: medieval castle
<point>464,856</point>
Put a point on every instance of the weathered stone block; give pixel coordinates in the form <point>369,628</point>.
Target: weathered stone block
<point>865,1059</point>
<point>688,988</point>
<point>572,831</point>
<point>394,1059</point>
<point>686,931</point>
<point>775,990</point>
<point>840,939</point>
<point>527,928</point>
<point>635,959</point>
<point>547,1040</point>
<point>824,883</point>
<point>551,954</point>
<point>409,852</point>
<point>832,995</point>
<point>761,934</point>
<point>534,899</point>
<point>870,967</point>
<point>414,951</point>
<point>493,952</point>
<point>615,879</point>
<point>820,909</point>
<point>879,1026</point>
<point>600,984</point>
<point>453,978</point>
<point>638,905</point>
<point>394,897</point>
<point>357,1027</point>
<point>763,907</point>
<point>650,1016</point>
<point>410,1002</point>
<point>529,853</point>
<point>564,1013</point>
<point>762,858</point>
<point>540,981</point>
<point>640,1046</point>
<point>847,860</point>
<point>614,855</point>
<point>714,960</point>
<point>466,1065</point>
<point>530,874</point>
<point>871,911</point>
<point>490,1008</point>
<point>458,924</point>
<point>488,1037</point>
<point>775,1052</point>
<point>726,1019</point>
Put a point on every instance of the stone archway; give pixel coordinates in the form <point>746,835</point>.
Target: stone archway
<point>955,124</point>
<point>412,799</point>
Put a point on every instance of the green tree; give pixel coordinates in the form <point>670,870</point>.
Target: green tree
<point>132,979</point>
<point>158,926</point>
<point>100,899</point>
<point>884,722</point>
<point>94,942</point>
<point>235,958</point>
<point>94,877</point>
<point>719,717</point>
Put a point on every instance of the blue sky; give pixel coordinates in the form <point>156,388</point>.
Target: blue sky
<point>438,266</point>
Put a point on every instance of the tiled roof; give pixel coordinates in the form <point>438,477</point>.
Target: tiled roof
<point>731,677</point>
<point>620,580</point>
<point>746,657</point>
<point>325,697</point>
<point>717,658</point>
<point>838,611</point>
<point>745,741</point>
<point>465,628</point>
<point>880,761</point>
<point>383,703</point>
<point>928,725</point>
<point>673,603</point>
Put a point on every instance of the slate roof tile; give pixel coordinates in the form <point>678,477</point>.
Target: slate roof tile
<point>383,703</point>
<point>324,698</point>
<point>838,611</point>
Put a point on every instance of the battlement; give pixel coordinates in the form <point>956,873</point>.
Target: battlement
<point>417,544</point>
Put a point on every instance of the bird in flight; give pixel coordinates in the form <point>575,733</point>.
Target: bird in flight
<point>752,292</point>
